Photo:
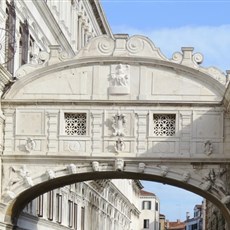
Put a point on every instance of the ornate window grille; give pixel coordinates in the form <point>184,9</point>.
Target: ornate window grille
<point>164,125</point>
<point>75,124</point>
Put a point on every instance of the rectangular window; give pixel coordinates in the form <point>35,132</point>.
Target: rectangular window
<point>164,125</point>
<point>82,218</point>
<point>70,213</point>
<point>156,206</point>
<point>40,206</point>
<point>59,208</point>
<point>50,205</point>
<point>75,124</point>
<point>24,42</point>
<point>10,37</point>
<point>75,215</point>
<point>146,205</point>
<point>146,223</point>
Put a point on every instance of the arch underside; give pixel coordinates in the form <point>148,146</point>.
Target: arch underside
<point>191,177</point>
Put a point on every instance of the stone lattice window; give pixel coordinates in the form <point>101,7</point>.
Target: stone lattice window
<point>75,124</point>
<point>164,125</point>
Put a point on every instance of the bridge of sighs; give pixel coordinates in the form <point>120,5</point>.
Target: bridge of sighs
<point>118,109</point>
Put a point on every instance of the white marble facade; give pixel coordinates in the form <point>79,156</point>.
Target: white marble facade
<point>89,102</point>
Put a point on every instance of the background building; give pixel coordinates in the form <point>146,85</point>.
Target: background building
<point>28,27</point>
<point>102,205</point>
<point>175,225</point>
<point>150,211</point>
<point>197,221</point>
<point>162,222</point>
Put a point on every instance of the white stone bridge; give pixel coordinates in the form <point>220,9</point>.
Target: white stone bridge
<point>118,109</point>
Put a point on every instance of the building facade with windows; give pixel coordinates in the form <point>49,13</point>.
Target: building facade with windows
<point>29,27</point>
<point>102,205</point>
<point>150,211</point>
<point>197,222</point>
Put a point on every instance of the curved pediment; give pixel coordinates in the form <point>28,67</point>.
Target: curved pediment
<point>120,69</point>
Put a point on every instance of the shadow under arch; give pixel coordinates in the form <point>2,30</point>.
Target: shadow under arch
<point>17,205</point>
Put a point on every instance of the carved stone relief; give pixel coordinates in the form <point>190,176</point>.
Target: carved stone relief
<point>16,175</point>
<point>186,176</point>
<point>50,174</point>
<point>72,146</point>
<point>119,80</point>
<point>72,168</point>
<point>95,166</point>
<point>208,147</point>
<point>119,124</point>
<point>214,183</point>
<point>119,165</point>
<point>30,145</point>
<point>120,145</point>
<point>164,170</point>
<point>141,167</point>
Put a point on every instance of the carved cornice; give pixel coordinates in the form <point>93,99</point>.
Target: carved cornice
<point>100,17</point>
<point>53,25</point>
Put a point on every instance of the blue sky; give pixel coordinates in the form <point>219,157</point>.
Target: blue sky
<point>202,24</point>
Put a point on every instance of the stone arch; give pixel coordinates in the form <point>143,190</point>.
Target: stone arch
<point>138,55</point>
<point>152,172</point>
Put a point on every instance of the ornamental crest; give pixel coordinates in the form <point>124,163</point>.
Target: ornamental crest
<point>119,80</point>
<point>119,124</point>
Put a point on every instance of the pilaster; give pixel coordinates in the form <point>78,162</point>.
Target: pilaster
<point>96,131</point>
<point>52,131</point>
<point>9,130</point>
<point>141,132</point>
<point>185,127</point>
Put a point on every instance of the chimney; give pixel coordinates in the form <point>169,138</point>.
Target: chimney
<point>187,215</point>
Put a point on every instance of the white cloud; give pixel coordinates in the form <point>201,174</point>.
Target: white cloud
<point>212,42</point>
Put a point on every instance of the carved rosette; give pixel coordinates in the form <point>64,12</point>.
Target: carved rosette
<point>106,46</point>
<point>135,45</point>
<point>119,80</point>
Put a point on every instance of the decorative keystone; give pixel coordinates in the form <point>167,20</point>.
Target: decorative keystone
<point>72,169</point>
<point>141,167</point>
<point>50,174</point>
<point>119,165</point>
<point>95,166</point>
